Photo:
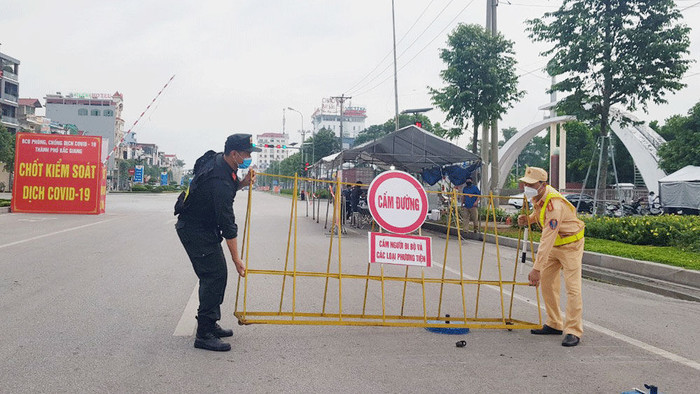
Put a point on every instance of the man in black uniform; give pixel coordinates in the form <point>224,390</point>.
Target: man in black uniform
<point>205,218</point>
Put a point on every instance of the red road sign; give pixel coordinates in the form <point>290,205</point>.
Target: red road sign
<point>132,171</point>
<point>58,174</point>
<point>397,202</point>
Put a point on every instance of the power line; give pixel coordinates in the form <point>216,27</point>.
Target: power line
<point>390,51</point>
<point>409,46</point>
<point>532,5</point>
<point>532,71</point>
<point>422,49</point>
<point>690,6</point>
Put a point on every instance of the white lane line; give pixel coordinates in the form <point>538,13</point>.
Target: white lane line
<point>186,325</point>
<point>642,345</point>
<point>55,233</point>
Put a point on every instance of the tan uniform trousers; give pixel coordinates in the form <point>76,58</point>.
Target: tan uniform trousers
<point>566,258</point>
<point>471,215</point>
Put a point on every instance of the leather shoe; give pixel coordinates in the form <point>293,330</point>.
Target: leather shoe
<point>546,330</point>
<point>209,341</point>
<point>570,340</point>
<point>221,332</point>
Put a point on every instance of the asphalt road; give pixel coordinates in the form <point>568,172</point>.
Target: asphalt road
<point>105,304</point>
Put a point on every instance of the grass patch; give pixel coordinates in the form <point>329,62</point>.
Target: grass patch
<point>659,254</point>
<point>4,202</point>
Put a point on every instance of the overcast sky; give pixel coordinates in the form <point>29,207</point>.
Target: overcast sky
<point>239,63</point>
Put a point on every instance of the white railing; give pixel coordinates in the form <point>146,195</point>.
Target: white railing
<point>10,75</point>
<point>9,97</point>
<point>9,120</point>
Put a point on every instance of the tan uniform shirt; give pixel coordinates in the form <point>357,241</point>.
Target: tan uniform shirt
<point>559,219</point>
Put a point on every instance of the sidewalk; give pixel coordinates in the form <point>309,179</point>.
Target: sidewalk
<point>657,278</point>
<point>5,196</point>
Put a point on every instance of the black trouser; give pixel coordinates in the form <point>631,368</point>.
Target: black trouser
<point>209,264</point>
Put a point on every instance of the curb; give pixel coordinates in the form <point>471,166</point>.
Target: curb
<point>4,210</point>
<point>646,275</point>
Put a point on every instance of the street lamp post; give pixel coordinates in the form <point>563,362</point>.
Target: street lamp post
<point>303,133</point>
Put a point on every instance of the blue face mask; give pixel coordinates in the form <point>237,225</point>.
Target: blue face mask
<point>246,163</point>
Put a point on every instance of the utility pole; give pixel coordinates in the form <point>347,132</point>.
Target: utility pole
<point>303,133</point>
<point>284,120</point>
<point>396,81</point>
<point>492,27</point>
<point>341,100</point>
<point>485,134</point>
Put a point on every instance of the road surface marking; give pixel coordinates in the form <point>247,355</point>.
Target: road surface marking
<point>185,327</point>
<point>54,233</point>
<point>643,345</point>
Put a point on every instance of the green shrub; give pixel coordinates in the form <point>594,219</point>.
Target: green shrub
<point>156,189</point>
<point>323,193</point>
<point>286,191</point>
<point>664,230</point>
<point>501,215</point>
<point>4,203</point>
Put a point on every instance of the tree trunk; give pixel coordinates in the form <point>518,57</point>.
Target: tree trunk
<point>475,137</point>
<point>603,166</point>
<point>605,111</point>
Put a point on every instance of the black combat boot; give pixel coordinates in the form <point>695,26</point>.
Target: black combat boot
<point>222,332</point>
<point>206,339</point>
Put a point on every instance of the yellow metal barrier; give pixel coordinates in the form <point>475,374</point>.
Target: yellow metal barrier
<point>401,319</point>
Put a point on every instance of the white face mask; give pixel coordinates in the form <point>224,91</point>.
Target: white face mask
<point>530,192</point>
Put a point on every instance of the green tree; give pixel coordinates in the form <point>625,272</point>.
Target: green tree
<point>613,52</point>
<point>480,78</point>
<point>683,141</point>
<point>321,144</point>
<point>292,165</point>
<point>371,133</point>
<point>377,131</point>
<point>7,149</point>
<point>580,144</point>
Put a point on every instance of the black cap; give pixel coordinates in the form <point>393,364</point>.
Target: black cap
<point>240,143</point>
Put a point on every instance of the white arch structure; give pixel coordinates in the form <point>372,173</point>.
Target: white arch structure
<point>512,148</point>
<point>639,139</point>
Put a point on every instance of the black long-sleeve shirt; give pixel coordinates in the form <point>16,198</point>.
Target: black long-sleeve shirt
<point>211,207</point>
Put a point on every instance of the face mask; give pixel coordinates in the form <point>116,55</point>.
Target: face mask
<point>246,163</point>
<point>530,192</point>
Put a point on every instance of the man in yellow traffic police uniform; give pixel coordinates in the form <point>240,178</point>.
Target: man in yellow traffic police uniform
<point>561,249</point>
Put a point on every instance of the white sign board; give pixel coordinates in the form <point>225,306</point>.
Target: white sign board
<point>397,202</point>
<point>399,249</point>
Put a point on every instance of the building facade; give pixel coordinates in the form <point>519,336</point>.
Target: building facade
<point>9,92</point>
<point>275,153</point>
<point>28,119</point>
<point>173,165</point>
<point>94,114</point>
<point>328,117</point>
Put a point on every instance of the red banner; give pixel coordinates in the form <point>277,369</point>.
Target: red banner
<point>58,174</point>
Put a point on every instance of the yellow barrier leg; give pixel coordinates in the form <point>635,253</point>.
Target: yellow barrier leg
<point>364,303</point>
<point>444,261</point>
<point>498,256</point>
<point>296,215</point>
<point>336,214</point>
<point>481,265</point>
<point>461,258</point>
<point>286,256</point>
<point>243,244</point>
<point>515,271</point>
<point>246,245</point>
